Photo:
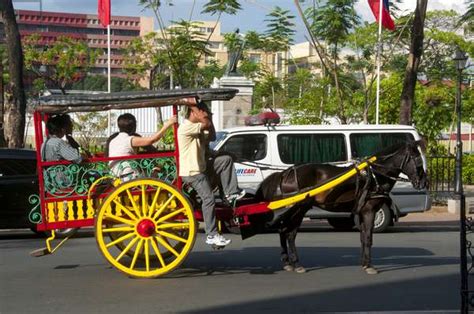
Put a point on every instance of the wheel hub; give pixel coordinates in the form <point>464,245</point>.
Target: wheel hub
<point>146,228</point>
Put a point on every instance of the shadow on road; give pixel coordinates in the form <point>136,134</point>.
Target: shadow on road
<point>404,296</point>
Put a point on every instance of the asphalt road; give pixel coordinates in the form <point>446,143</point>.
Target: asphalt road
<point>418,264</point>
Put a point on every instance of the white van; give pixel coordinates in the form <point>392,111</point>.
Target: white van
<point>262,150</point>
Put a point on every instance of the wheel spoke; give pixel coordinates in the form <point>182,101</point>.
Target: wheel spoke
<point>159,211</point>
<point>137,252</point>
<point>121,239</point>
<point>173,213</point>
<point>155,199</point>
<point>144,202</point>
<point>147,255</point>
<point>157,252</point>
<point>125,209</point>
<point>171,236</point>
<point>167,246</point>
<point>118,229</point>
<point>180,225</point>
<point>125,250</point>
<point>119,219</point>
<point>134,205</point>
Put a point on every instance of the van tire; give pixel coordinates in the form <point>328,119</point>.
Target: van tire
<point>342,223</point>
<point>383,219</point>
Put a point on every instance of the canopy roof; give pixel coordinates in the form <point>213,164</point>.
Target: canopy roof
<point>128,100</point>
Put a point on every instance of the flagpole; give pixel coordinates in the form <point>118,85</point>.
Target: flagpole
<point>109,124</point>
<point>379,46</point>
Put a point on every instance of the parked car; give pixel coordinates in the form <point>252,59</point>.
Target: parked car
<point>18,181</point>
<point>262,150</point>
<point>18,185</point>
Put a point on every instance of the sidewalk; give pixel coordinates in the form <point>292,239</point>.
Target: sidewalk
<point>436,213</point>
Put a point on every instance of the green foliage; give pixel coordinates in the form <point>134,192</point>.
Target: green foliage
<point>91,127</point>
<point>280,30</point>
<point>99,83</point>
<point>442,169</point>
<point>334,20</point>
<point>221,6</point>
<point>59,65</point>
<point>207,74</point>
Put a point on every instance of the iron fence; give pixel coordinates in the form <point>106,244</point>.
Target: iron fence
<point>441,174</point>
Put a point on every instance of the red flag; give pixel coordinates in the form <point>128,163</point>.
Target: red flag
<point>387,21</point>
<point>103,9</point>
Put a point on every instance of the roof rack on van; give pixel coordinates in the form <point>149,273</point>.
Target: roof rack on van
<point>263,118</point>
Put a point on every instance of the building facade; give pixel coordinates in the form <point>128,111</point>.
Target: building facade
<point>86,27</point>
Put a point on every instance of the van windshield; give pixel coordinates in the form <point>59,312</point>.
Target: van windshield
<point>221,135</point>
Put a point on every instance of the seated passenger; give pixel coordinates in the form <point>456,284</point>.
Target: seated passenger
<point>54,148</point>
<point>126,142</point>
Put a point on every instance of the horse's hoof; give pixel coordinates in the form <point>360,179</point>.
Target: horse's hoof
<point>370,270</point>
<point>288,268</point>
<point>300,270</point>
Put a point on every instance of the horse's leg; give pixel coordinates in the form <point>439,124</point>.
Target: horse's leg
<point>366,231</point>
<point>294,260</point>
<point>284,252</point>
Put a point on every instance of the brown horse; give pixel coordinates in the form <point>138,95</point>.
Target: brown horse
<point>364,193</point>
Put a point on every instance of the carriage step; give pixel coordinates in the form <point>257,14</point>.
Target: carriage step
<point>40,252</point>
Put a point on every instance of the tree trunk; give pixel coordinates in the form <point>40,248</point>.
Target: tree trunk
<point>414,58</point>
<point>2,138</point>
<point>15,100</point>
<point>151,86</point>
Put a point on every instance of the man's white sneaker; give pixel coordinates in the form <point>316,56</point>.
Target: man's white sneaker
<point>236,196</point>
<point>217,240</point>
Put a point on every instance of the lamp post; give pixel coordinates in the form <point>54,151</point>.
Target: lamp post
<point>460,62</point>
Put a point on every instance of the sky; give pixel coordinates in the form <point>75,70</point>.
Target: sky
<point>251,17</point>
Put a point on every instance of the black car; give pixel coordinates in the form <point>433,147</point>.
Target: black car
<point>18,181</point>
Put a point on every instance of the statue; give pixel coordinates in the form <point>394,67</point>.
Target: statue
<point>234,56</point>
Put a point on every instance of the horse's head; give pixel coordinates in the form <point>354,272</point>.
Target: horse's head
<point>412,165</point>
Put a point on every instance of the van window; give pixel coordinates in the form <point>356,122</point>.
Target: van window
<point>317,148</point>
<point>367,144</point>
<point>249,147</point>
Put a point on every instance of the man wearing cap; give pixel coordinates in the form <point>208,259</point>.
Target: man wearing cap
<point>194,135</point>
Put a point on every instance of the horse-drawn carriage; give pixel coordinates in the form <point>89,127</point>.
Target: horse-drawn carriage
<point>146,227</point>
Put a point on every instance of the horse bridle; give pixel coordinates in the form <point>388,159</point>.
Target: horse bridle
<point>416,161</point>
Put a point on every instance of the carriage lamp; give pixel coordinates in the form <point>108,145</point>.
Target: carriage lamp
<point>460,60</point>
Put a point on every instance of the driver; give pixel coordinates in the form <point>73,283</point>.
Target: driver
<point>194,135</point>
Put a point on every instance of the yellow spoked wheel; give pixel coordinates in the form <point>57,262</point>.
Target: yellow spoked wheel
<point>145,228</point>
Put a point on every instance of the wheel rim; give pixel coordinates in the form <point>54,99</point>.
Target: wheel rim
<point>379,218</point>
<point>153,227</point>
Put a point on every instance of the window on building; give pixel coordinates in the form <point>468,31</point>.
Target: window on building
<point>316,148</point>
<point>367,144</point>
<point>249,147</point>
<point>255,57</point>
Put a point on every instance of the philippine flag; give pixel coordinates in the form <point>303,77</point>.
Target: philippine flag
<point>387,21</point>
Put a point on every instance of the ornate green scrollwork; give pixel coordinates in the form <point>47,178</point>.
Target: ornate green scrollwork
<point>66,180</point>
<point>35,213</point>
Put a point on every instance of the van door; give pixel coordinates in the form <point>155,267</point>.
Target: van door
<point>250,151</point>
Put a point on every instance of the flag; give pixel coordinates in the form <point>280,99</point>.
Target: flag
<point>387,21</point>
<point>103,9</point>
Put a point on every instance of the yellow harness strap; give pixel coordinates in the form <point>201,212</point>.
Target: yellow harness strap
<point>300,197</point>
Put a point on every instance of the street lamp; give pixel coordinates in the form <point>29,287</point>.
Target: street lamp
<point>460,62</point>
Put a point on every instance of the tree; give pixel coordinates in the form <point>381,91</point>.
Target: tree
<point>66,61</point>
<point>332,22</point>
<point>99,83</point>
<point>3,59</point>
<point>219,7</point>
<point>414,58</point>
<point>15,100</point>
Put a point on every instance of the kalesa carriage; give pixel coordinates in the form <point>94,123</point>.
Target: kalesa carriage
<point>145,227</point>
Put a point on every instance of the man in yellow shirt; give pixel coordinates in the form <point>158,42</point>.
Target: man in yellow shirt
<point>194,135</point>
